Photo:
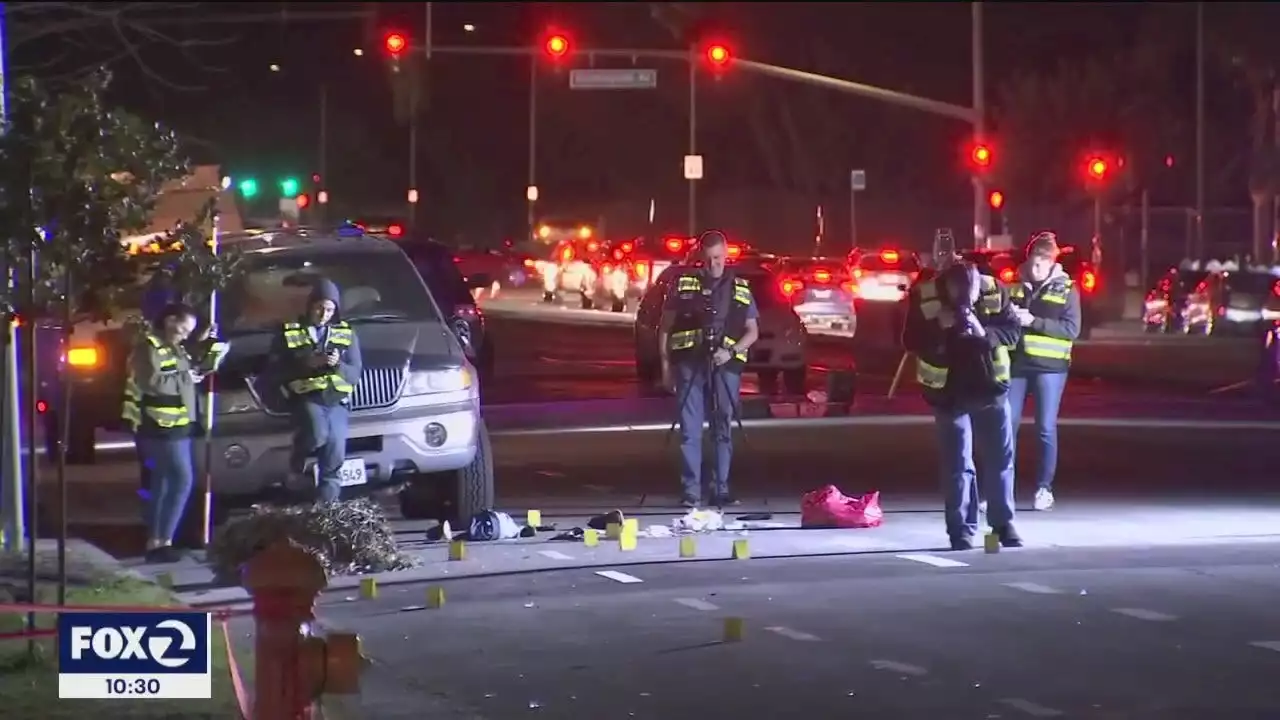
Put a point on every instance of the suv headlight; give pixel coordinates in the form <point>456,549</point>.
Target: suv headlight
<point>426,382</point>
<point>234,402</point>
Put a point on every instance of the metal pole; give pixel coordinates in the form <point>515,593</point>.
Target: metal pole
<point>853,215</point>
<point>1200,159</point>
<point>693,138</point>
<point>1097,222</point>
<point>981,214</point>
<point>324,154</point>
<point>1144,249</point>
<point>31,359</point>
<point>531,206</point>
<point>413,142</point>
<point>11,469</point>
<point>210,408</point>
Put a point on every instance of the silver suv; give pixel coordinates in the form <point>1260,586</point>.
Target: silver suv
<point>415,413</point>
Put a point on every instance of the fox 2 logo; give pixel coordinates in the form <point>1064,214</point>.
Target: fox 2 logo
<point>142,643</point>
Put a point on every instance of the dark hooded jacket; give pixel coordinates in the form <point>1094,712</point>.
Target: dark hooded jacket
<point>289,364</point>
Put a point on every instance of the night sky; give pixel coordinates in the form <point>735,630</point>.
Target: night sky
<point>767,144</point>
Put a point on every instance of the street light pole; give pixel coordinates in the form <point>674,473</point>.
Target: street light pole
<point>1200,159</point>
<point>981,213</point>
<point>530,197</point>
<point>323,169</point>
<point>693,137</point>
<point>12,500</point>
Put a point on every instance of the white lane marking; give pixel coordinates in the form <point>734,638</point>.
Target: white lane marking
<point>1030,708</point>
<point>619,576</point>
<point>1273,645</point>
<point>787,632</point>
<point>1141,614</point>
<point>899,667</point>
<point>554,555</point>
<point>1035,588</point>
<point>933,560</point>
<point>696,604</point>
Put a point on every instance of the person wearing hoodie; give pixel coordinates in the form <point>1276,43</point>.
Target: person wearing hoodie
<point>160,402</point>
<point>1048,308</point>
<point>317,363</point>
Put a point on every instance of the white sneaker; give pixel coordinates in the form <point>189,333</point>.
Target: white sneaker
<point>1044,499</point>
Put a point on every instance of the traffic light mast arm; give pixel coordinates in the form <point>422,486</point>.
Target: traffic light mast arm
<point>893,97</point>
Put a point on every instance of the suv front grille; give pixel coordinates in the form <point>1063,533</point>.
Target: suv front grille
<point>378,388</point>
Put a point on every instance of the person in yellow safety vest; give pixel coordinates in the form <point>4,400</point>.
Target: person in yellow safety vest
<point>317,363</point>
<point>1047,304</point>
<point>160,403</point>
<point>960,326</point>
<point>709,323</point>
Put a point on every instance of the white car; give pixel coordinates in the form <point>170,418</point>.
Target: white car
<point>780,353</point>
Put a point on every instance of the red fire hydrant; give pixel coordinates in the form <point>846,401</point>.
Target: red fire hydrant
<point>292,668</point>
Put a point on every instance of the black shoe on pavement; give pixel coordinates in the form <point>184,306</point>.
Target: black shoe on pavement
<point>1009,537</point>
<point>724,501</point>
<point>961,543</point>
<point>165,554</point>
<point>689,501</point>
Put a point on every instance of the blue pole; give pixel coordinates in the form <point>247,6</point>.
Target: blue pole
<point>12,501</point>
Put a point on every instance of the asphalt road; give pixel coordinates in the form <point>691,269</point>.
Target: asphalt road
<point>1170,633</point>
<point>555,353</point>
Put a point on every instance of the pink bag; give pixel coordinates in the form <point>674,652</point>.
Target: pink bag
<point>828,507</point>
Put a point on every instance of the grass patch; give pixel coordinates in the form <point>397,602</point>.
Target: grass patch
<point>29,684</point>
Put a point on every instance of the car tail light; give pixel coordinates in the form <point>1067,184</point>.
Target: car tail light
<point>566,254</point>
<point>1089,281</point>
<point>890,256</point>
<point>628,247</point>
<point>790,286</point>
<point>734,251</point>
<point>642,270</point>
<point>42,407</point>
<point>850,287</point>
<point>674,245</point>
<point>457,260</point>
<point>822,276</point>
<point>606,269</point>
<point>1275,289</point>
<point>466,312</point>
<point>528,262</point>
<point>83,357</point>
<point>857,273</point>
<point>1007,275</point>
<point>395,230</point>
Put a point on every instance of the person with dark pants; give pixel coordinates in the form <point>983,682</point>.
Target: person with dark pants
<point>160,401</point>
<point>1047,305</point>
<point>708,327</point>
<point>960,327</point>
<point>317,362</point>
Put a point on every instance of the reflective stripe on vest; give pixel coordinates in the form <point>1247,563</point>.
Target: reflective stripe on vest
<point>935,378</point>
<point>164,413</point>
<point>296,338</point>
<point>687,339</point>
<point>931,305</point>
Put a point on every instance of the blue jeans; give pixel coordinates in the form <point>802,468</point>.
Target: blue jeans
<point>1047,389</point>
<point>321,431</point>
<point>695,389</point>
<point>960,431</point>
<point>172,474</point>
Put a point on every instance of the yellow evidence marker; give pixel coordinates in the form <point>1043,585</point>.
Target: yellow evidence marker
<point>991,543</point>
<point>613,531</point>
<point>688,547</point>
<point>591,537</point>
<point>741,551</point>
<point>435,597</point>
<point>533,518</point>
<point>627,541</point>
<point>368,589</point>
<point>457,550</point>
<point>734,629</point>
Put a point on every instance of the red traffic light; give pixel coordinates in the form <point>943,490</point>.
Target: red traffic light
<point>996,199</point>
<point>395,44</point>
<point>557,45</point>
<point>980,155</point>
<point>718,55</point>
<point>1097,168</point>
<point>303,201</point>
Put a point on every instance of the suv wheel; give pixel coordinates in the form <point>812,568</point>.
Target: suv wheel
<point>619,306</point>
<point>587,302</point>
<point>453,496</point>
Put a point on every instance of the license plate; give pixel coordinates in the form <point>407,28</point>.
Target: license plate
<point>351,473</point>
<point>821,294</point>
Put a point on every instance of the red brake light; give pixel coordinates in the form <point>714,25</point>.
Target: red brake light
<point>617,254</point>
<point>790,286</point>
<point>734,251</point>
<point>42,407</point>
<point>566,254</point>
<point>1007,275</point>
<point>528,262</point>
<point>822,276</point>
<point>642,269</point>
<point>456,260</point>
<point>606,269</point>
<point>1275,289</point>
<point>395,230</point>
<point>890,256</point>
<point>675,245</point>
<point>1089,280</point>
<point>627,247</point>
<point>850,287</point>
<point>593,246</point>
<point>466,312</point>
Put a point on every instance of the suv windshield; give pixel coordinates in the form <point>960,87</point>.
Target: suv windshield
<point>375,286</point>
<point>1251,283</point>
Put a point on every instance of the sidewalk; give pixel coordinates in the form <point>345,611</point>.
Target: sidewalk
<point>910,526</point>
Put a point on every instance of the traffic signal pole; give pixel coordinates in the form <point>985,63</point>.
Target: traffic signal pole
<point>981,211</point>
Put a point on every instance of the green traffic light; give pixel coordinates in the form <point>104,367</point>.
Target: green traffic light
<point>289,187</point>
<point>248,187</point>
